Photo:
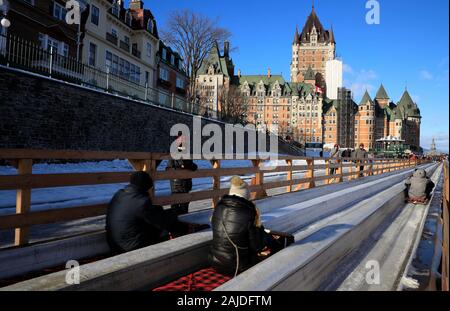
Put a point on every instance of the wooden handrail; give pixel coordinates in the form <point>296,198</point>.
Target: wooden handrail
<point>445,226</point>
<point>25,180</point>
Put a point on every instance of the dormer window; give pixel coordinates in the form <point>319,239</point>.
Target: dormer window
<point>115,10</point>
<point>164,54</point>
<point>128,18</point>
<point>150,25</point>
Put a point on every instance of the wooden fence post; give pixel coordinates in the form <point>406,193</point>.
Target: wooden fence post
<point>289,175</point>
<point>259,181</point>
<point>341,171</point>
<point>310,173</point>
<point>23,202</point>
<point>216,181</point>
<point>327,171</point>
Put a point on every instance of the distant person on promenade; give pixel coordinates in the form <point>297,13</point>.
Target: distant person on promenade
<point>360,155</point>
<point>239,238</point>
<point>133,222</point>
<point>419,187</point>
<point>181,185</point>
<point>334,159</point>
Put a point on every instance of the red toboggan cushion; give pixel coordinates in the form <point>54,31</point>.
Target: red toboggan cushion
<point>203,280</point>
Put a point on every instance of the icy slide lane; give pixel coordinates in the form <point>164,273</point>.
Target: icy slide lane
<point>322,246</point>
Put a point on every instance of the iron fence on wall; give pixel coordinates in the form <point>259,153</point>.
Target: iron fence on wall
<point>22,54</point>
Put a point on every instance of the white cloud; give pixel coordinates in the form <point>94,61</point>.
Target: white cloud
<point>416,98</point>
<point>359,81</point>
<point>347,69</point>
<point>426,75</point>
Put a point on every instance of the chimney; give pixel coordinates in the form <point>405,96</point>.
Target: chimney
<point>226,49</point>
<point>136,4</point>
<point>239,73</point>
<point>268,73</point>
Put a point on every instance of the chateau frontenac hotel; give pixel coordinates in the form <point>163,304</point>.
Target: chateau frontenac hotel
<point>313,107</point>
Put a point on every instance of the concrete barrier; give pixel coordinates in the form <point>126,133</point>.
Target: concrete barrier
<point>21,260</point>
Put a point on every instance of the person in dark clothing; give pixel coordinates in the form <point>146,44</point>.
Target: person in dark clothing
<point>133,222</point>
<point>360,155</point>
<point>239,239</point>
<point>181,185</point>
<point>419,187</point>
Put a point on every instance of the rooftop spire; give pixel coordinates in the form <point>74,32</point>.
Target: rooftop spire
<point>296,36</point>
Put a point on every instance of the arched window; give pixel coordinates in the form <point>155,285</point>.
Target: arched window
<point>128,18</point>
<point>150,25</point>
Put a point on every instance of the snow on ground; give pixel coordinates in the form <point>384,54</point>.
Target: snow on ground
<point>63,197</point>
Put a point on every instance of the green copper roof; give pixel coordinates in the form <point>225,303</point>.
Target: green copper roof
<point>215,59</point>
<point>366,98</point>
<point>381,94</point>
<point>407,106</point>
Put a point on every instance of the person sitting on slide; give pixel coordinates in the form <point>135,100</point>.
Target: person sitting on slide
<point>419,187</point>
<point>239,239</point>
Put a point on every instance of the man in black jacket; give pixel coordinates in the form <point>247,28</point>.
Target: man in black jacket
<point>238,235</point>
<point>133,222</point>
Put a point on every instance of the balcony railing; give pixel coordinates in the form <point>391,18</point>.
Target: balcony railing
<point>124,46</point>
<point>111,38</point>
<point>18,53</point>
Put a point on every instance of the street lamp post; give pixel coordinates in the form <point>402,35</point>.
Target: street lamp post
<point>5,24</point>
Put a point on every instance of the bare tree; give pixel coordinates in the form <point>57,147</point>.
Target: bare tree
<point>193,36</point>
<point>233,104</point>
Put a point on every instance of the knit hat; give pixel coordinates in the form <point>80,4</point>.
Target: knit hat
<point>141,180</point>
<point>239,188</point>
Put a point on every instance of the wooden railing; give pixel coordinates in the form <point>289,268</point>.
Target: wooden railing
<point>25,180</point>
<point>445,226</point>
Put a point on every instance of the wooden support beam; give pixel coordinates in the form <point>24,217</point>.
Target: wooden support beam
<point>289,176</point>
<point>258,181</point>
<point>310,174</point>
<point>23,202</point>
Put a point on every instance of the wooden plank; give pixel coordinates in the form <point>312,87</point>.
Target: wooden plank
<point>9,182</point>
<point>174,174</point>
<point>189,197</point>
<point>23,203</point>
<point>71,154</point>
<point>51,216</point>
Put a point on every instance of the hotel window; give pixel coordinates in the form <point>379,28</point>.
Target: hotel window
<point>114,32</point>
<point>31,2</point>
<point>172,59</point>
<point>127,40</point>
<point>164,74</point>
<point>95,15</point>
<point>59,11</point>
<point>150,25</point>
<point>115,10</point>
<point>149,49</point>
<point>128,18</point>
<point>164,54</point>
<point>180,83</point>
<point>122,68</point>
<point>92,54</point>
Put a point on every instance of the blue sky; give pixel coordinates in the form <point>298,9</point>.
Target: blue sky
<point>408,48</point>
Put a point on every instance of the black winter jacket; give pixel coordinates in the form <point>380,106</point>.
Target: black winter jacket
<point>181,185</point>
<point>237,216</point>
<point>132,221</point>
